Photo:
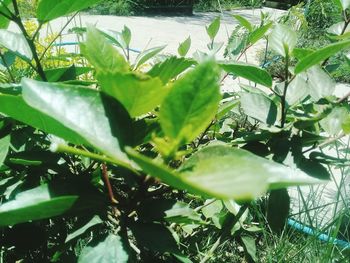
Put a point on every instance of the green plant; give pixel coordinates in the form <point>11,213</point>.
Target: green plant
<point>133,165</point>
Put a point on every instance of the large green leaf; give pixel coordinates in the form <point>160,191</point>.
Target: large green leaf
<point>282,39</point>
<point>15,42</point>
<point>259,107</point>
<point>250,72</point>
<point>15,107</point>
<point>4,22</point>
<point>170,68</point>
<point>51,9</point>
<point>224,172</point>
<point>109,250</point>
<point>278,209</point>
<point>333,123</point>
<point>4,147</point>
<point>50,200</point>
<point>102,54</point>
<point>320,84</point>
<point>137,92</point>
<point>320,55</point>
<point>191,104</point>
<point>97,118</point>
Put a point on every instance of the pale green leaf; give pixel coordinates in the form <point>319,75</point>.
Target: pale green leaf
<point>138,93</point>
<point>4,147</point>
<point>146,55</point>
<point>15,42</point>
<point>334,121</point>
<point>282,39</point>
<point>259,107</point>
<point>191,104</point>
<point>213,28</point>
<point>111,249</point>
<point>225,173</point>
<point>126,33</point>
<point>102,54</point>
<point>96,220</point>
<point>258,33</point>
<point>184,47</point>
<point>244,22</point>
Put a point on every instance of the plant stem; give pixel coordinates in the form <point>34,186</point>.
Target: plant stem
<point>108,183</point>
<point>283,98</point>
<point>68,149</point>
<point>17,19</point>
<point>229,223</point>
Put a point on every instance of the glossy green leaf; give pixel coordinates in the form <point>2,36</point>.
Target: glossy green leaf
<point>171,68</point>
<point>224,172</point>
<point>111,249</point>
<point>249,72</point>
<point>258,33</point>
<point>184,47</point>
<point>15,42</point>
<point>101,53</point>
<point>15,107</point>
<point>282,39</point>
<point>213,28</point>
<point>97,118</point>
<point>259,107</point>
<point>50,200</point>
<point>4,147</point>
<point>244,22</point>
<point>51,9</point>
<point>146,55</point>
<point>320,55</point>
<point>191,104</point>
<point>138,93</point>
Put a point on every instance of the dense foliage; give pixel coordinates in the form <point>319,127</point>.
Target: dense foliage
<point>106,158</point>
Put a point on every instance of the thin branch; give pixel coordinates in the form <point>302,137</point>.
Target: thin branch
<point>57,36</point>
<point>108,183</point>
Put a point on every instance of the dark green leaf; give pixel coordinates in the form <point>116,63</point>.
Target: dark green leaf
<point>191,104</point>
<point>138,93</point>
<point>109,250</point>
<point>97,118</point>
<point>278,209</point>
<point>4,22</point>
<point>320,55</point>
<point>50,200</point>
<point>259,107</point>
<point>250,72</point>
<point>184,47</point>
<point>170,68</point>
<point>51,9</point>
<point>65,74</point>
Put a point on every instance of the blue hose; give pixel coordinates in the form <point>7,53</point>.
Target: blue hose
<point>323,237</point>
